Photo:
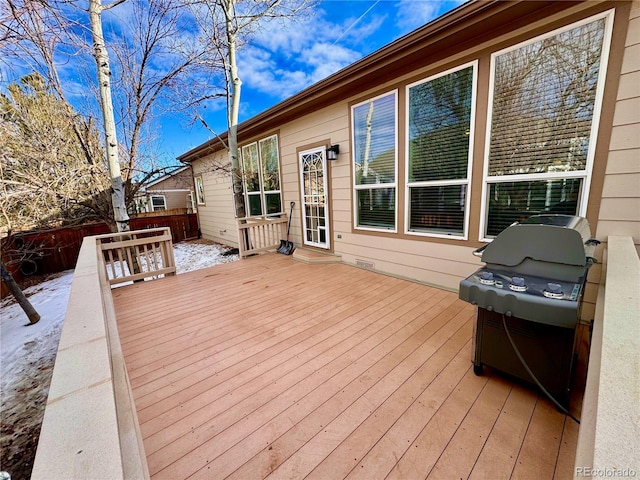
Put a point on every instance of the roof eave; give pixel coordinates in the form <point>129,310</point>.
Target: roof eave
<point>342,83</point>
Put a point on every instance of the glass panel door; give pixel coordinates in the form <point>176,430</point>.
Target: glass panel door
<point>315,208</point>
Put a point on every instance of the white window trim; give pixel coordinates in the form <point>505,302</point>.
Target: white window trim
<point>472,128</point>
<point>164,201</point>
<point>262,192</point>
<point>597,109</point>
<point>262,189</point>
<point>386,185</point>
<point>198,180</point>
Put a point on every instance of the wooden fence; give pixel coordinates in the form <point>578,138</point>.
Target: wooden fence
<point>57,250</point>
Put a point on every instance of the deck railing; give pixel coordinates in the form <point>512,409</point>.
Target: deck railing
<point>610,419</point>
<point>137,255</point>
<point>90,427</point>
<point>260,234</point>
<point>91,430</point>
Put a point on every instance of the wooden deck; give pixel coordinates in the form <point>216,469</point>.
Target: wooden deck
<point>268,367</point>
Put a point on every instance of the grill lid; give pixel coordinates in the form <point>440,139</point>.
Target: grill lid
<point>563,239</point>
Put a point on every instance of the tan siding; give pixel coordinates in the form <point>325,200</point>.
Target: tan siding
<point>437,264</point>
<point>618,209</point>
<point>176,199</point>
<point>436,261</point>
<point>631,59</point>
<point>627,112</point>
<point>173,199</point>
<point>620,205</point>
<point>216,216</point>
<point>624,161</point>
<point>181,181</point>
<point>621,185</point>
<point>625,137</point>
<point>628,87</point>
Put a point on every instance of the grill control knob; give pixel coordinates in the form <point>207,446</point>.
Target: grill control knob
<point>553,290</point>
<point>554,287</point>
<point>487,278</point>
<point>517,284</point>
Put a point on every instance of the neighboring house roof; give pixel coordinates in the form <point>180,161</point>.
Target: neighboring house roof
<point>167,176</point>
<point>465,27</point>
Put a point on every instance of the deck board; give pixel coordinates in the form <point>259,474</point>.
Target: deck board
<point>268,367</point>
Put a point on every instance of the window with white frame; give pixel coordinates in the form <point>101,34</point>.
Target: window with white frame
<point>261,168</point>
<point>199,189</point>
<point>374,129</point>
<point>545,101</point>
<point>158,202</point>
<point>440,125</point>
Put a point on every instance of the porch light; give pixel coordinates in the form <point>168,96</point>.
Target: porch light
<point>333,151</point>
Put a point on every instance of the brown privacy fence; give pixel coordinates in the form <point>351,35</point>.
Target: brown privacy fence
<point>57,250</point>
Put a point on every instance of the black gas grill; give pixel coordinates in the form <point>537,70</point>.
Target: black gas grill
<point>532,284</point>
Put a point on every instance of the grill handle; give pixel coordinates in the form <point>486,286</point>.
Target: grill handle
<point>478,252</point>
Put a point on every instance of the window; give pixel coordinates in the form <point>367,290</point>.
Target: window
<point>270,174</point>
<point>199,190</point>
<point>261,168</point>
<point>544,109</point>
<point>158,202</point>
<point>440,120</point>
<point>374,130</point>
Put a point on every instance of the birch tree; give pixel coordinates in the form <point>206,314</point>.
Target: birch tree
<point>153,63</point>
<point>227,24</point>
<point>101,56</point>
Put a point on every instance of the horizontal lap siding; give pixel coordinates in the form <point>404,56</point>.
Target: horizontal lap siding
<point>620,207</point>
<point>620,203</point>
<point>216,216</point>
<point>437,261</point>
<point>434,263</point>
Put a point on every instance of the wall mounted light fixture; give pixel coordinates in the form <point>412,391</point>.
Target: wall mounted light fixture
<point>333,151</point>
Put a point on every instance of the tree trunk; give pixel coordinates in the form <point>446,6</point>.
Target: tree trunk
<point>234,107</point>
<point>111,141</point>
<point>7,278</point>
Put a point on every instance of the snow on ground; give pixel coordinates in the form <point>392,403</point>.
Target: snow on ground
<point>196,255</point>
<point>28,353</point>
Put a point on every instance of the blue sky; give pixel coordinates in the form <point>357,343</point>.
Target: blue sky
<point>279,61</point>
<point>282,60</point>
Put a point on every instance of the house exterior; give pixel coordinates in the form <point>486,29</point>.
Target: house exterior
<point>172,191</point>
<point>490,113</point>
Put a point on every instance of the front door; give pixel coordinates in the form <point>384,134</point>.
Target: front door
<point>315,207</point>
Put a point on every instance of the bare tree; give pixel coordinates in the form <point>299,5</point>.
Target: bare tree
<point>154,58</point>
<point>101,56</point>
<point>23,301</point>
<point>226,24</point>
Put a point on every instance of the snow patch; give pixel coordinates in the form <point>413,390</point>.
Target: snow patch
<point>28,353</point>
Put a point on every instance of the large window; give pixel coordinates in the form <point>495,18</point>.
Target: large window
<point>440,112</point>
<point>261,169</point>
<point>545,102</point>
<point>375,162</point>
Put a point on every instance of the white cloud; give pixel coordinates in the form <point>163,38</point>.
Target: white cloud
<point>284,57</point>
<point>412,14</point>
<point>327,59</point>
